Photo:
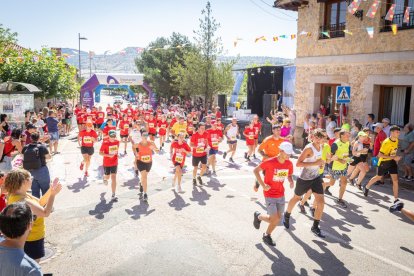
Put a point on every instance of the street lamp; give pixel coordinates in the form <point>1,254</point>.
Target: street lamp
<point>80,70</point>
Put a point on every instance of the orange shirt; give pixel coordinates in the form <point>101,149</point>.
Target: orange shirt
<point>144,153</point>
<point>270,146</point>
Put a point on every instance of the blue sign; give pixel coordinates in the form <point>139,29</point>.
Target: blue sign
<point>343,94</point>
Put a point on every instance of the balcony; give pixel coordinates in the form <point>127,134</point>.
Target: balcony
<point>334,30</point>
<point>398,19</point>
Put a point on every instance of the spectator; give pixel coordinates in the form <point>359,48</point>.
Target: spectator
<point>16,222</point>
<point>407,147</point>
<point>30,128</point>
<point>305,133</point>
<point>2,192</point>
<point>53,129</point>
<point>322,110</point>
<point>330,127</point>
<point>381,136</point>
<point>4,126</point>
<point>11,145</point>
<point>35,155</point>
<point>386,126</point>
<point>321,120</point>
<point>370,122</point>
<point>17,184</point>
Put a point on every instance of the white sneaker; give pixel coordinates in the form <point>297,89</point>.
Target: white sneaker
<point>105,182</point>
<point>179,189</point>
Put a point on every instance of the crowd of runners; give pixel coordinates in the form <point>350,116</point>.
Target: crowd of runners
<point>332,151</point>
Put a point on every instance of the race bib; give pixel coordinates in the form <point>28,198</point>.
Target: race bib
<point>113,149</point>
<point>190,128</point>
<point>215,143</point>
<point>280,175</point>
<point>200,149</point>
<point>126,126</point>
<point>101,115</point>
<point>87,140</point>
<point>179,158</point>
<point>251,137</point>
<point>151,125</point>
<point>146,158</point>
<point>233,138</point>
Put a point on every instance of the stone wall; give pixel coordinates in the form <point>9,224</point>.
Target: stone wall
<point>311,18</point>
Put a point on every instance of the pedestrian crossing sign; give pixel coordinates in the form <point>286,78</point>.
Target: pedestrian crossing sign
<point>343,94</point>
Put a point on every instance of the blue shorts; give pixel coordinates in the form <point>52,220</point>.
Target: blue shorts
<point>212,151</point>
<point>54,136</point>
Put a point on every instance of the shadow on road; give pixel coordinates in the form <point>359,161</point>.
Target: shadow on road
<point>178,202</point>
<point>132,184</point>
<point>200,196</point>
<point>80,185</point>
<point>281,265</point>
<point>215,184</point>
<point>139,210</point>
<point>328,262</point>
<point>101,208</point>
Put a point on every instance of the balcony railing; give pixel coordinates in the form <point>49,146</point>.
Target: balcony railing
<point>334,30</point>
<point>398,19</point>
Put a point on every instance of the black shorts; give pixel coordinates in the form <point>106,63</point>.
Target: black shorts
<point>142,166</point>
<point>97,126</point>
<point>387,167</point>
<point>110,170</point>
<point>35,249</point>
<point>87,150</point>
<point>178,164</point>
<point>124,136</point>
<point>302,186</point>
<point>197,160</point>
<point>230,142</point>
<point>363,157</point>
<point>356,160</point>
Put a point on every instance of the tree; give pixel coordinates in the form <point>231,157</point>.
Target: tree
<point>155,62</point>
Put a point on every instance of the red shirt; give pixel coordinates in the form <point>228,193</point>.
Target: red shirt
<point>79,116</point>
<point>275,175</point>
<point>179,152</point>
<point>100,117</point>
<point>152,126</point>
<point>2,202</point>
<point>108,109</point>
<point>87,137</point>
<point>162,127</point>
<point>110,147</point>
<point>173,121</point>
<point>124,127</point>
<point>257,126</point>
<point>249,135</point>
<point>107,128</point>
<point>214,138</point>
<point>218,114</point>
<point>190,128</point>
<point>381,136</point>
<point>220,126</point>
<point>200,142</point>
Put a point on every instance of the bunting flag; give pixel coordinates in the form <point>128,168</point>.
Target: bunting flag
<point>282,36</point>
<point>373,10</point>
<point>236,41</point>
<point>353,7</point>
<point>390,13</point>
<point>370,31</point>
<point>292,36</point>
<point>275,39</point>
<point>303,33</point>
<point>260,38</point>
<point>348,32</point>
<point>394,28</point>
<point>407,15</point>
<point>309,34</point>
<point>65,55</point>
<point>326,34</point>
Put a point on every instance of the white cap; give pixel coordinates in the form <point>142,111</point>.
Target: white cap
<point>378,125</point>
<point>286,147</point>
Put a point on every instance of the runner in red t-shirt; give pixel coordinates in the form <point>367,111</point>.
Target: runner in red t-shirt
<point>79,118</point>
<point>86,139</point>
<point>199,143</point>
<point>276,170</point>
<point>190,126</point>
<point>2,192</point>
<point>108,127</point>
<point>100,118</point>
<point>162,130</point>
<point>218,113</point>
<point>173,121</point>
<point>152,127</point>
<point>249,134</point>
<point>215,136</point>
<point>124,127</point>
<point>109,151</point>
<point>178,151</point>
<point>258,128</point>
<point>219,124</point>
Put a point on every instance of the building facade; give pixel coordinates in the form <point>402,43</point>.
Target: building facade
<point>334,49</point>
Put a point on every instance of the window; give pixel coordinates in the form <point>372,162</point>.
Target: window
<point>400,6</point>
<point>335,18</point>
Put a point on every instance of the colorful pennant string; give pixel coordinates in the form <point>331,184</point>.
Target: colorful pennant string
<point>353,7</point>
<point>373,9</point>
<point>390,13</point>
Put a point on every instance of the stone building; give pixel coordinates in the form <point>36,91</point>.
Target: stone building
<point>379,70</point>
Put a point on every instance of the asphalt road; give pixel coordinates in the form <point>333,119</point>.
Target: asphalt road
<point>208,230</point>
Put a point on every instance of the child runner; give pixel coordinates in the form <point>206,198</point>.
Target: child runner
<point>249,134</point>
<point>215,137</point>
<point>231,132</point>
<point>124,131</point>
<point>109,151</point>
<point>178,151</point>
<point>199,143</point>
<point>162,130</point>
<point>86,139</point>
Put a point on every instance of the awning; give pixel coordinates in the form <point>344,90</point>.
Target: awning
<point>19,87</point>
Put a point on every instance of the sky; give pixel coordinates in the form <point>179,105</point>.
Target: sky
<point>116,24</point>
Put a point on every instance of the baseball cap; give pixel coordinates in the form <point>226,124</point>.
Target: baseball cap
<point>112,133</point>
<point>362,133</point>
<point>286,147</point>
<point>378,125</point>
<point>394,128</point>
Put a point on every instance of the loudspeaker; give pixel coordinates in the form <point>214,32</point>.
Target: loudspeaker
<point>269,104</point>
<point>266,130</point>
<point>221,102</point>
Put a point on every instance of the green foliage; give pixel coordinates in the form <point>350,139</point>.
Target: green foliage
<point>40,68</point>
<point>156,64</point>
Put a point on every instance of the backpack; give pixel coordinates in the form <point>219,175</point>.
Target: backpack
<point>31,157</point>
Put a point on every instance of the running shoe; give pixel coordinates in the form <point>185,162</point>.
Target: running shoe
<point>214,173</point>
<point>224,155</point>
<point>86,174</point>
<point>352,181</point>
<point>302,208</point>
<point>141,189</point>
<point>256,220</point>
<point>306,203</point>
<point>200,181</point>
<point>114,198</point>
<point>231,160</point>
<point>327,192</point>
<point>254,156</point>
<point>365,190</point>
<point>194,182</point>
<point>341,203</point>
<point>397,206</point>
<point>286,221</point>
<point>312,211</point>
<point>317,231</point>
<point>81,166</point>
<point>105,182</point>
<point>267,239</point>
<point>248,158</point>
<point>145,197</point>
<point>245,155</point>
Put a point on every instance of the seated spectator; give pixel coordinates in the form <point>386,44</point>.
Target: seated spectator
<point>16,222</point>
